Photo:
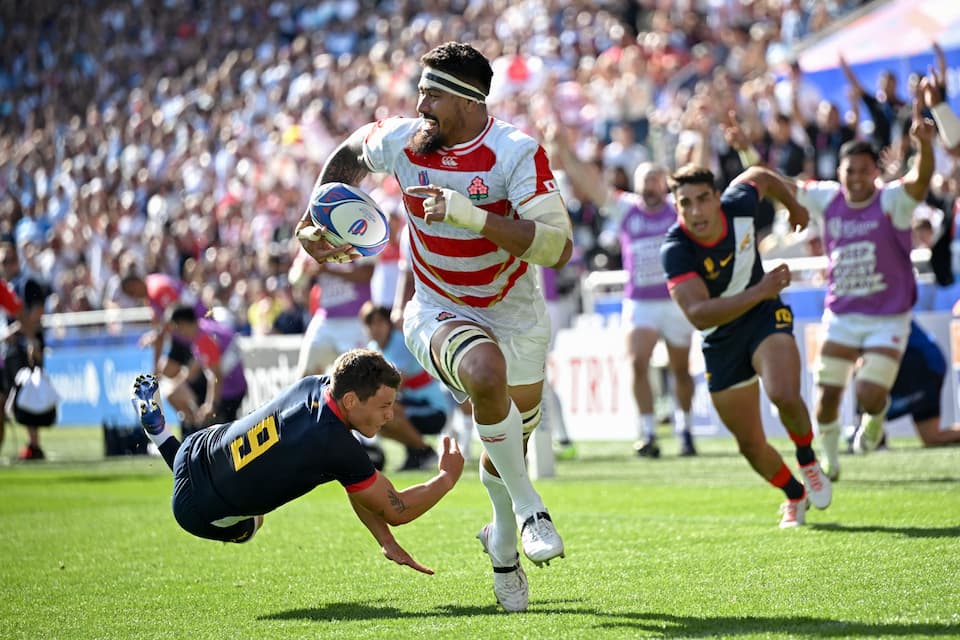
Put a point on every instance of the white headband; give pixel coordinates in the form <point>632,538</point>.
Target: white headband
<point>434,79</point>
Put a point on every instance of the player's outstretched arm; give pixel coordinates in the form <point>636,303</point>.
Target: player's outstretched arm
<point>922,132</point>
<point>400,507</point>
<point>388,544</point>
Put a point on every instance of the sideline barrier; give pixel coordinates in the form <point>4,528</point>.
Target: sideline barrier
<point>588,367</point>
<point>94,382</point>
<point>592,375</point>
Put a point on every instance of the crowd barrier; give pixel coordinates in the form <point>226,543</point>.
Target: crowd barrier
<point>592,376</point>
<point>587,366</point>
<point>94,381</point>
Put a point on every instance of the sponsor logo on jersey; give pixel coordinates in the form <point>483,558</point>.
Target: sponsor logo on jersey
<point>423,179</point>
<point>449,161</point>
<point>725,261</point>
<point>747,239</point>
<point>445,315</point>
<point>477,189</point>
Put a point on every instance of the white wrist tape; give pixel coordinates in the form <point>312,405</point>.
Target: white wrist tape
<point>552,229</point>
<point>461,212</point>
<point>948,124</point>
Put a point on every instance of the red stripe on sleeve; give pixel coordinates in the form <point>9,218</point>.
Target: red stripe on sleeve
<point>363,484</point>
<point>683,277</point>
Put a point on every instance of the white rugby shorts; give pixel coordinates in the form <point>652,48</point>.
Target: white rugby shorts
<point>864,331</point>
<point>525,352</point>
<point>665,316</point>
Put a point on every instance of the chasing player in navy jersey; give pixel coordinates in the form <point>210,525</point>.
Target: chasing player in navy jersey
<point>714,273</point>
<point>227,476</point>
<point>917,389</point>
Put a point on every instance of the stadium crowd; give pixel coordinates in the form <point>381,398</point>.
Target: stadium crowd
<point>183,137</point>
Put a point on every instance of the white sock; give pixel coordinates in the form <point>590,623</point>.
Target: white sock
<point>875,419</point>
<point>681,421</point>
<point>503,534</point>
<point>161,437</point>
<point>503,443</point>
<point>646,429</point>
<point>829,429</point>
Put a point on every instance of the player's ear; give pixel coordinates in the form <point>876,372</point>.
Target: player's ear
<point>350,400</point>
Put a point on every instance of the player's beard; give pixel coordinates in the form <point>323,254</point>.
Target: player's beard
<point>425,141</point>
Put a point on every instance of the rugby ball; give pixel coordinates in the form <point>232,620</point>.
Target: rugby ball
<point>350,216</point>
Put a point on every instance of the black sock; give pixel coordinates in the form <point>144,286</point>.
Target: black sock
<point>169,450</point>
<point>794,489</point>
<point>805,455</point>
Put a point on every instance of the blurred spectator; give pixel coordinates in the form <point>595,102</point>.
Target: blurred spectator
<point>216,356</point>
<point>13,315</point>
<point>24,349</point>
<point>182,138</point>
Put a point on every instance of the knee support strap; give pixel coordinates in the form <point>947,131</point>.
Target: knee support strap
<point>879,369</point>
<point>531,419</point>
<point>454,347</point>
<point>832,371</point>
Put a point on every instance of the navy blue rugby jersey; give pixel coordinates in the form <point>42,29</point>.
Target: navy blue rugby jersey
<point>729,265</point>
<point>281,451</point>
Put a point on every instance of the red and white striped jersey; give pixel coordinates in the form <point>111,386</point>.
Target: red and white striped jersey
<point>500,170</point>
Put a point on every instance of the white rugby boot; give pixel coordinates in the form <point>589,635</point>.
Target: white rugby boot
<point>509,580</point>
<point>540,540</point>
<point>793,513</point>
<point>819,487</point>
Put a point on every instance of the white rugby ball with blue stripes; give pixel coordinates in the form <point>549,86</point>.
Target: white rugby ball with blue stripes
<point>350,217</point>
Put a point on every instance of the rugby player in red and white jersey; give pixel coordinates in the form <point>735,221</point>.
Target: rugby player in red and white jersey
<point>483,208</point>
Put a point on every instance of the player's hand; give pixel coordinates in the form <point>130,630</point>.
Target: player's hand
<point>733,133</point>
<point>931,89</point>
<point>398,554</point>
<point>451,460</point>
<point>799,217</point>
<point>447,205</point>
<point>434,206</point>
<point>922,130</point>
<point>776,280</point>
<point>319,247</point>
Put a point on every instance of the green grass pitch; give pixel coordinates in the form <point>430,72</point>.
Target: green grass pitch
<point>669,548</point>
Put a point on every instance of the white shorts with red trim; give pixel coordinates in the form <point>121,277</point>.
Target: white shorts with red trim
<point>525,352</point>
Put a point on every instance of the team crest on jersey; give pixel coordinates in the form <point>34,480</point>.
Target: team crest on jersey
<point>445,315</point>
<point>711,268</point>
<point>449,161</point>
<point>477,189</point>
<point>423,179</point>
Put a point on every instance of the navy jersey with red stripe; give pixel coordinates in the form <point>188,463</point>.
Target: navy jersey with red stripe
<point>279,452</point>
<point>729,265</point>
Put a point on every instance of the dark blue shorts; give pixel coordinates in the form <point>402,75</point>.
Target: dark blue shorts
<point>917,389</point>
<point>196,505</point>
<point>424,418</point>
<point>728,357</point>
